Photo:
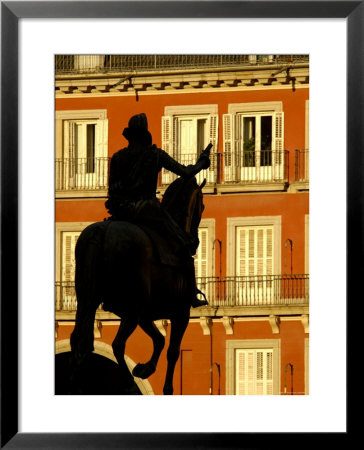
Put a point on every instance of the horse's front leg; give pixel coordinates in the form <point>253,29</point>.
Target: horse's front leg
<point>178,328</point>
<point>147,369</point>
<point>126,328</point>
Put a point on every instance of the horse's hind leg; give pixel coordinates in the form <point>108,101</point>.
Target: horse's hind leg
<point>178,328</point>
<point>147,369</point>
<point>126,328</point>
<point>82,345</point>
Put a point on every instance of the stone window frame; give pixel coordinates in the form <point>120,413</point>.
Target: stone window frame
<point>242,344</point>
<point>234,222</point>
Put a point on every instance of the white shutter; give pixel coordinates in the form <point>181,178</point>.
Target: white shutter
<point>213,131</point>
<point>68,295</point>
<point>254,251</point>
<point>278,139</point>
<point>201,257</point>
<point>69,153</point>
<point>101,152</point>
<point>69,239</point>
<point>69,139</point>
<point>213,121</point>
<point>254,372</point>
<point>167,134</point>
<point>278,131</point>
<point>101,139</point>
<point>228,133</point>
<point>245,372</point>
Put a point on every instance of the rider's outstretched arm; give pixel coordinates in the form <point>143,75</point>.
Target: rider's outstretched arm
<point>186,171</point>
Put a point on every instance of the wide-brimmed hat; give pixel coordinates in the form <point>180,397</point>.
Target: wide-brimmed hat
<point>139,121</point>
<point>137,130</point>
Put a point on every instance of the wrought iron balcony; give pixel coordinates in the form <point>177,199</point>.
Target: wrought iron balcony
<point>81,174</point>
<point>250,291</point>
<point>259,166</point>
<point>253,167</point>
<point>73,64</point>
<point>211,174</point>
<point>301,166</point>
<point>258,290</point>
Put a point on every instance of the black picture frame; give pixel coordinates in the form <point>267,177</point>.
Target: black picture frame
<point>11,12</point>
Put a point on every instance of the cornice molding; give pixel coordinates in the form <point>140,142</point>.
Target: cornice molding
<point>180,82</point>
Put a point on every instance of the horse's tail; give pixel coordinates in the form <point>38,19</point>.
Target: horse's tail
<point>88,250</point>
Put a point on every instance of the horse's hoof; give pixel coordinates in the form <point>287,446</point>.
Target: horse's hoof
<point>143,370</point>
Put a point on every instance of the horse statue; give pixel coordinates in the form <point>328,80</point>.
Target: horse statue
<point>116,265</point>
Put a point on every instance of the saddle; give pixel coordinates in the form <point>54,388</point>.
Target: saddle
<point>164,253</point>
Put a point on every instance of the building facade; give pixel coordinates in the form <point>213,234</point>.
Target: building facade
<point>253,258</point>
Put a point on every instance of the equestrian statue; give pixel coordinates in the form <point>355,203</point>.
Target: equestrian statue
<point>138,263</point>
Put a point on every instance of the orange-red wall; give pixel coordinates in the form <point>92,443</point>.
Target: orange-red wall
<point>192,373</point>
<point>121,108</point>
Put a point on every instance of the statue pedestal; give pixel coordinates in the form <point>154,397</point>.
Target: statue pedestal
<point>98,376</point>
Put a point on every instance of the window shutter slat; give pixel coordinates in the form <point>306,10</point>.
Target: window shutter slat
<point>254,372</point>
<point>201,258</point>
<point>167,134</point>
<point>278,137</point>
<point>228,142</point>
<point>213,133</point>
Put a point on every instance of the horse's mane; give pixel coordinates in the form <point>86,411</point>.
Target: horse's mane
<point>176,198</point>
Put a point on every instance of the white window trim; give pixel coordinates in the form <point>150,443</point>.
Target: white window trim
<point>98,114</point>
<point>60,228</point>
<point>81,114</point>
<point>256,107</point>
<point>211,250</point>
<point>234,222</point>
<point>232,345</point>
<point>190,110</point>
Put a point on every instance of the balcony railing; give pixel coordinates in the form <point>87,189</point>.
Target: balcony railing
<point>252,291</point>
<point>81,173</point>
<point>211,174</point>
<point>263,166</point>
<point>301,165</point>
<point>66,64</point>
<point>77,174</point>
<point>260,166</point>
<point>259,290</point>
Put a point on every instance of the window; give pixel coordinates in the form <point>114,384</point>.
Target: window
<point>253,367</point>
<point>254,259</point>
<point>254,372</point>
<point>201,257</point>
<point>253,143</point>
<point>67,298</point>
<point>81,150</point>
<point>204,258</point>
<point>67,234</point>
<point>186,131</point>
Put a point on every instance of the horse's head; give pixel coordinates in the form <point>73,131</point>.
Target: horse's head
<point>183,200</point>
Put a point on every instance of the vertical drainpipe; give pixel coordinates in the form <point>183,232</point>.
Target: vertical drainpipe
<point>211,359</point>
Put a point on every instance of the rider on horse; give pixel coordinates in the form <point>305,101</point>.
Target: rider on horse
<point>132,192</point>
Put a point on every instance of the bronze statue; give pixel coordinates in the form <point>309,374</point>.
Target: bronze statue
<point>121,264</point>
<point>132,196</point>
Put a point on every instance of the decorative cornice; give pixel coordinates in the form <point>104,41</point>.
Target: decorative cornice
<point>180,81</point>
